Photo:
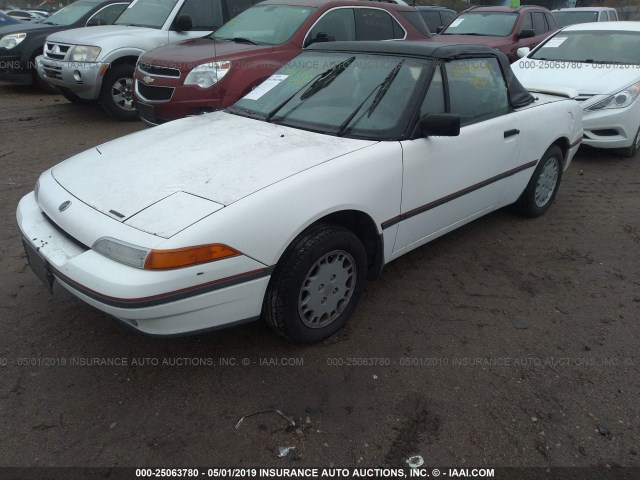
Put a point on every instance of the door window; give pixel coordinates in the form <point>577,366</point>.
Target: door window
<point>203,15</point>
<point>526,24</point>
<point>374,24</point>
<point>477,89</point>
<point>338,24</point>
<point>107,15</point>
<point>539,23</point>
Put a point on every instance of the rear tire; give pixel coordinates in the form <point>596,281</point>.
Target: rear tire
<point>543,185</point>
<point>317,284</point>
<point>631,150</point>
<point>116,96</point>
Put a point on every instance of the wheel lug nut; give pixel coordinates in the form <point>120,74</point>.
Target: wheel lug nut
<point>323,300</point>
<point>321,286</point>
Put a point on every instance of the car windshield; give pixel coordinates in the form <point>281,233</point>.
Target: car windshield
<point>7,20</point>
<point>570,17</point>
<point>146,13</point>
<point>264,24</point>
<point>596,46</point>
<point>494,24</point>
<point>70,14</point>
<point>356,95</point>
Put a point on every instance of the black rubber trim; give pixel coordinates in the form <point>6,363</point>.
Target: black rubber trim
<point>236,323</point>
<point>168,297</point>
<point>453,196</point>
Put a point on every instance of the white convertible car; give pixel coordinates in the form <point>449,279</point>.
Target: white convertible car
<point>601,61</point>
<point>284,205</point>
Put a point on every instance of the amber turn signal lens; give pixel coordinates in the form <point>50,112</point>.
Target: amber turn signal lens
<point>185,257</point>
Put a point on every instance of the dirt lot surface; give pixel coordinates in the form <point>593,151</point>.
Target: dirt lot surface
<point>521,338</point>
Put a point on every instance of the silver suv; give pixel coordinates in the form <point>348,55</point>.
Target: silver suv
<point>97,63</point>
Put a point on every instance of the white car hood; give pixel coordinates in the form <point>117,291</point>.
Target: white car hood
<point>587,79</point>
<point>96,35</point>
<point>217,157</point>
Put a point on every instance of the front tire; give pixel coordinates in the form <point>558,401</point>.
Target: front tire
<point>316,285</point>
<point>116,96</point>
<point>633,149</point>
<point>543,185</point>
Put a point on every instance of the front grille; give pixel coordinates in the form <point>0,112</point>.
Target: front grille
<point>160,71</point>
<point>55,51</point>
<point>153,93</point>
<point>52,72</point>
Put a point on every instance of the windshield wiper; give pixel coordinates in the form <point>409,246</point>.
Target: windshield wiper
<point>382,89</point>
<point>326,78</point>
<point>243,40</point>
<point>321,80</point>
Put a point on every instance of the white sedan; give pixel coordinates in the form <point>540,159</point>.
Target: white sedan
<point>601,61</point>
<point>284,205</point>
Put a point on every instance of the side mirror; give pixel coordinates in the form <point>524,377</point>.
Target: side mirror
<point>183,23</point>
<point>322,37</point>
<point>526,33</point>
<point>440,29</point>
<point>440,125</point>
<point>523,52</point>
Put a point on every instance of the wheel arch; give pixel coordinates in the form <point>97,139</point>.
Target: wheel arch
<point>562,143</point>
<point>362,226</point>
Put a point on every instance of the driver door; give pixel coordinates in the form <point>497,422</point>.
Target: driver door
<point>448,181</point>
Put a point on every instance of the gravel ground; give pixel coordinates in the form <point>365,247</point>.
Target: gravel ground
<point>521,338</point>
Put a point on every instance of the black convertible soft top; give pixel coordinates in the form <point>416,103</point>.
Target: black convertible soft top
<point>518,95</point>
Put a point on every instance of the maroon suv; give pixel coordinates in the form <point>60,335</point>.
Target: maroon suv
<point>213,72</point>
<point>503,28</point>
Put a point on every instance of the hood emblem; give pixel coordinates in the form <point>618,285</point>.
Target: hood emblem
<point>147,79</point>
<point>64,205</point>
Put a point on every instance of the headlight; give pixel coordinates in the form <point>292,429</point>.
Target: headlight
<point>84,53</point>
<point>121,251</point>
<point>10,41</point>
<point>207,74</point>
<point>621,99</point>
<point>141,257</point>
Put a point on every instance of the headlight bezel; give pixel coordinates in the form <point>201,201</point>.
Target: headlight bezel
<point>622,99</point>
<point>208,74</point>
<point>84,53</point>
<point>18,38</point>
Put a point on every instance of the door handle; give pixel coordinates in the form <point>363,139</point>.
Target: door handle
<point>511,133</point>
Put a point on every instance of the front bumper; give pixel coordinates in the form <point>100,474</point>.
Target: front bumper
<point>185,101</point>
<point>164,302</point>
<point>611,128</point>
<point>13,69</point>
<point>83,79</point>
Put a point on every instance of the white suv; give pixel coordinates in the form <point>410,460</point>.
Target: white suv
<point>570,16</point>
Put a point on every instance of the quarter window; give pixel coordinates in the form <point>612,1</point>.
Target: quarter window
<point>434,99</point>
<point>476,89</point>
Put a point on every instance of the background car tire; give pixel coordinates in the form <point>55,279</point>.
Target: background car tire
<point>116,96</point>
<point>325,267</point>
<point>543,185</point>
<point>73,98</point>
<point>633,149</point>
